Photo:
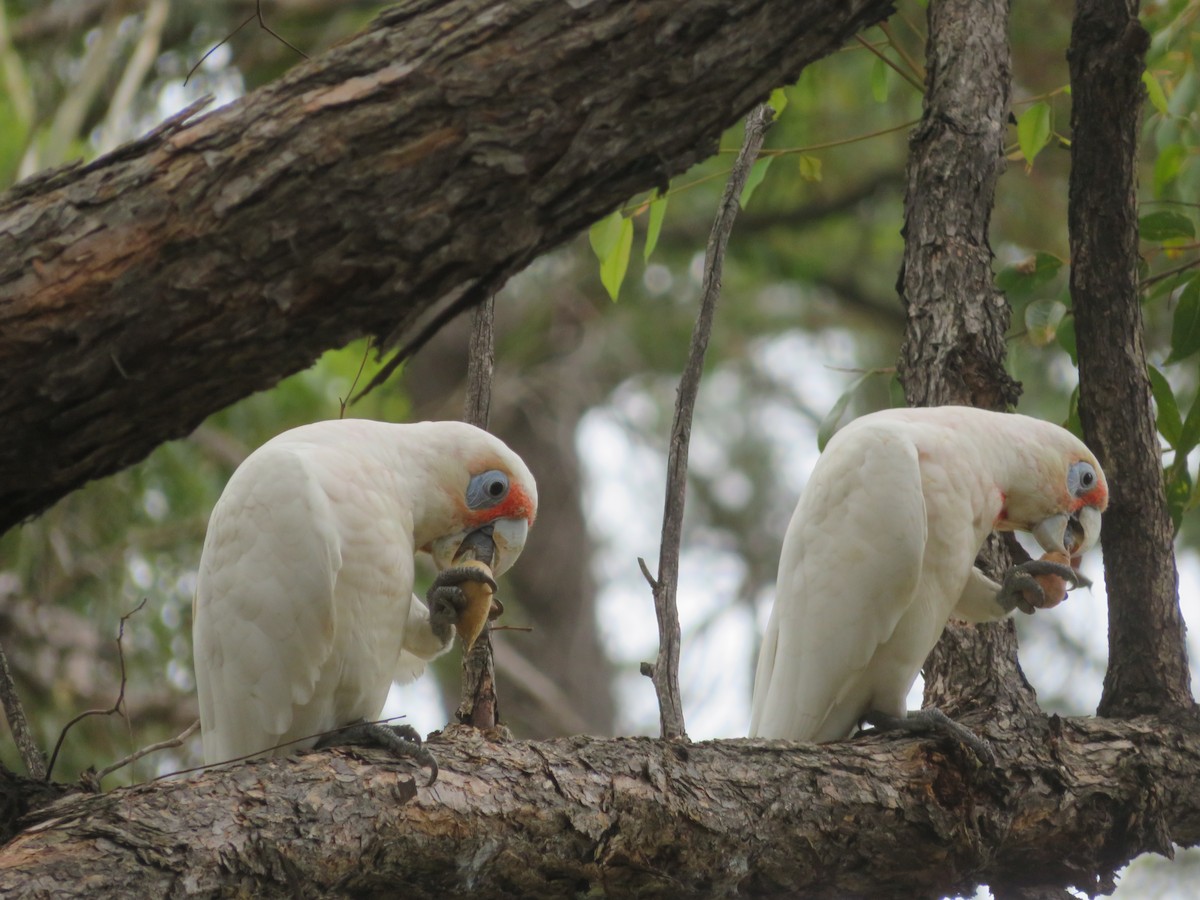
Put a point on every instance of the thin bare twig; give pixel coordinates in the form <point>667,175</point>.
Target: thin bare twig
<point>31,756</point>
<point>479,705</point>
<point>665,671</point>
<point>257,14</point>
<point>343,401</point>
<point>116,708</point>
<point>176,741</point>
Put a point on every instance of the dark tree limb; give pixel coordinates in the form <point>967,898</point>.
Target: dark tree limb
<point>14,714</point>
<point>1147,666</point>
<point>413,168</point>
<point>665,671</point>
<point>1071,802</point>
<point>479,705</point>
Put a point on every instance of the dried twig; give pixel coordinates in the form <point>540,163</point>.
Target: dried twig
<point>479,705</point>
<point>146,751</point>
<point>117,707</point>
<point>31,756</point>
<point>257,14</point>
<point>343,401</point>
<point>665,671</point>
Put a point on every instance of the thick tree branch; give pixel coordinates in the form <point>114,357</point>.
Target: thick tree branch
<point>413,168</point>
<point>638,817</point>
<point>1147,668</point>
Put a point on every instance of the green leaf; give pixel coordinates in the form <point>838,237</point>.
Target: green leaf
<point>612,269</point>
<point>879,81</point>
<point>1073,424</point>
<point>1155,92</point>
<point>810,167</point>
<point>778,101</point>
<point>658,211</point>
<point>605,235</point>
<point>1022,278</point>
<point>1041,320</point>
<point>1179,492</point>
<point>1165,224</point>
<point>1033,130</point>
<point>1168,166</point>
<point>896,398</point>
<point>1066,339</point>
<point>757,172</point>
<point>1169,421</point>
<point>829,425</point>
<point>1185,326</point>
<point>1189,434</point>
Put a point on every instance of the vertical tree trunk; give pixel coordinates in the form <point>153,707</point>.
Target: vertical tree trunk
<point>954,346</point>
<point>1147,669</point>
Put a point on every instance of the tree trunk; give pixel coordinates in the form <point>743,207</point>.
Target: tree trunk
<point>954,346</point>
<point>1147,665</point>
<point>1072,801</point>
<point>412,168</point>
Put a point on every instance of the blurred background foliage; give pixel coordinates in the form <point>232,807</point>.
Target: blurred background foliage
<point>806,336</point>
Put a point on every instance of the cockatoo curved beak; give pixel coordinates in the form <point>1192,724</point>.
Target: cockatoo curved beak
<point>507,535</point>
<point>1073,534</point>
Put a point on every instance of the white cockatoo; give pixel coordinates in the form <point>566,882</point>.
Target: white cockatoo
<point>304,611</point>
<point>881,550</point>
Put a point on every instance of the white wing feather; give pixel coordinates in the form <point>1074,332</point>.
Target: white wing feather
<point>849,572</point>
<point>264,611</point>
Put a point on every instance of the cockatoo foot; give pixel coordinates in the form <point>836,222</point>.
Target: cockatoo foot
<point>447,600</point>
<point>1023,578</point>
<point>403,741</point>
<point>926,721</point>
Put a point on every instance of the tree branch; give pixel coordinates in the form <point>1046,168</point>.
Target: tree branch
<point>639,817</point>
<point>415,167</point>
<point>31,755</point>
<point>665,671</point>
<point>1147,669</point>
<point>954,348</point>
<point>480,705</point>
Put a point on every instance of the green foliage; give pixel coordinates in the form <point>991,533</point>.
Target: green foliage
<point>1185,327</point>
<point>658,212</point>
<point>1165,225</point>
<point>612,242</point>
<point>758,172</point>
<point>1033,131</point>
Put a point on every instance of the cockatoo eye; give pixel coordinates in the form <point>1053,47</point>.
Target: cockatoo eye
<point>1081,478</point>
<point>487,489</point>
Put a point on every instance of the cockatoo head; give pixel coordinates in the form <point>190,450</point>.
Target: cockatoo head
<point>1058,492</point>
<point>491,497</point>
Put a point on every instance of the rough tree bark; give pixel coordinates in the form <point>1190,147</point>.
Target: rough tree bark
<point>1147,664</point>
<point>635,817</point>
<point>954,347</point>
<point>415,167</point>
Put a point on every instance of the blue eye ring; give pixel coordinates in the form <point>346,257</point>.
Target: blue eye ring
<point>1081,478</point>
<point>487,489</point>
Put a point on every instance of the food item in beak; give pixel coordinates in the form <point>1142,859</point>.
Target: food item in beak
<point>480,600</point>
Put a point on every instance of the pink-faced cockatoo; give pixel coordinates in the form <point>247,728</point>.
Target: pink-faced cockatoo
<point>304,611</point>
<point>881,550</point>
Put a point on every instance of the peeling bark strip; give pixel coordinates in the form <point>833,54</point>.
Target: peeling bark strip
<point>634,817</point>
<point>420,164</point>
<point>1147,666</point>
